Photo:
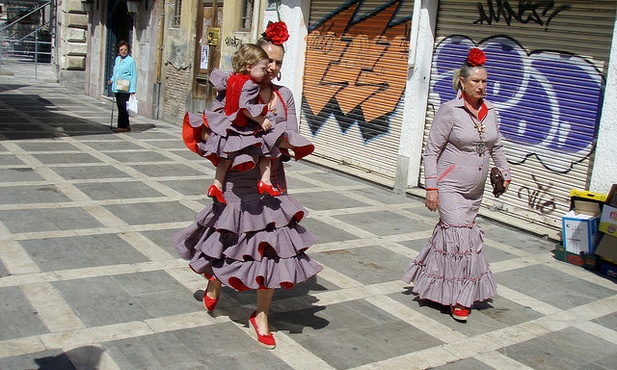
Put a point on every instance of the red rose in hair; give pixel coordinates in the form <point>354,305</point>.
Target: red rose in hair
<point>476,57</point>
<point>276,33</point>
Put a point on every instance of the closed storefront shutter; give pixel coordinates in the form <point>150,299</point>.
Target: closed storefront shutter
<point>354,82</point>
<point>546,62</point>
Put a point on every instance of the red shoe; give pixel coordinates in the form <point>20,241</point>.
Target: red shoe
<point>210,303</point>
<point>262,187</point>
<point>216,194</point>
<point>459,313</point>
<point>265,340</point>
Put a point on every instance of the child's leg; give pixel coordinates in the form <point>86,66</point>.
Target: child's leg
<point>221,172</point>
<point>265,169</point>
<point>205,133</point>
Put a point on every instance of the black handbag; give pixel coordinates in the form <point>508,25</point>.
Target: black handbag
<point>498,182</point>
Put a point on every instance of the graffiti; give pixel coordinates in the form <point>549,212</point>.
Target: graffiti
<point>234,42</point>
<point>540,12</point>
<point>533,94</point>
<point>356,68</point>
<point>536,199</point>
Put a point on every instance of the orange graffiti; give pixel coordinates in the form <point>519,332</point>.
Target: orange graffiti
<point>357,63</point>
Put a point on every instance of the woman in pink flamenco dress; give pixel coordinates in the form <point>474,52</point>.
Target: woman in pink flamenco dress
<point>452,269</point>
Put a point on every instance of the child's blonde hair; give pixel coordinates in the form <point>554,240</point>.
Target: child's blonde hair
<point>247,54</point>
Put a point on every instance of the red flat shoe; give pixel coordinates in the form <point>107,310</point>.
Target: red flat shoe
<point>265,340</point>
<point>216,194</point>
<point>262,187</point>
<point>459,313</point>
<point>210,303</point>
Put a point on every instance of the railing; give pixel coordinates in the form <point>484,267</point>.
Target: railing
<point>22,40</point>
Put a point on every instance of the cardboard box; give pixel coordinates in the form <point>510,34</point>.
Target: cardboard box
<point>611,198</point>
<point>586,202</point>
<point>607,248</point>
<point>608,269</point>
<point>587,260</point>
<point>608,221</point>
<point>580,232</point>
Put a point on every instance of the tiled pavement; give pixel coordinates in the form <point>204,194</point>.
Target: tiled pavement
<point>89,279</point>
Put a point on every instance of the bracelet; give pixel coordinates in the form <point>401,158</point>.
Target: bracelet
<point>429,189</point>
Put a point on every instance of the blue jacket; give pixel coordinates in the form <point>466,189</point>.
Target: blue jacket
<point>126,70</point>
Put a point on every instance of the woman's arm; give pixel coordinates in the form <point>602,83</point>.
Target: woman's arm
<point>437,140</point>
<point>133,72</point>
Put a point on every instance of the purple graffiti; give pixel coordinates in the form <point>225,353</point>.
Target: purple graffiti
<point>548,101</point>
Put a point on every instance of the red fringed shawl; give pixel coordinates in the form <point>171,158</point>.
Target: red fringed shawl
<point>235,82</point>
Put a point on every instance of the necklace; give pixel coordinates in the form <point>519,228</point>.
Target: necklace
<point>479,126</point>
<point>271,101</point>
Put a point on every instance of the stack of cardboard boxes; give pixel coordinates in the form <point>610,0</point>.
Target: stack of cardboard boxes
<point>607,249</point>
<point>589,232</point>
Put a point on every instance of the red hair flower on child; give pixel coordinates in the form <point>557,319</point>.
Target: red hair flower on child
<point>476,57</point>
<point>276,33</point>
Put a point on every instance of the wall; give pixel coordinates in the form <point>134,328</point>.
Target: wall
<point>71,38</point>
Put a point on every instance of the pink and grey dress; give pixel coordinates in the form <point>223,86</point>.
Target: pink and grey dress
<point>255,241</point>
<point>451,269</point>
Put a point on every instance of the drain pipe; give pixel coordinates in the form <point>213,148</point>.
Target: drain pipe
<point>159,61</point>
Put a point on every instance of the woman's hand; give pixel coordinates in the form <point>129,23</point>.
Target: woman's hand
<point>266,124</point>
<point>432,200</point>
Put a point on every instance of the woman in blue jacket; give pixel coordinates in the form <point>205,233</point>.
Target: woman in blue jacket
<point>123,83</point>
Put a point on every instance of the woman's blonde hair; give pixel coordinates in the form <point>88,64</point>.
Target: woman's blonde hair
<point>248,54</point>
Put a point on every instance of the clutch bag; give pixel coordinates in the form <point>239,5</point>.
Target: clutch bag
<point>497,181</point>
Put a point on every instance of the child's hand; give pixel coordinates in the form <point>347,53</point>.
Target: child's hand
<point>266,124</point>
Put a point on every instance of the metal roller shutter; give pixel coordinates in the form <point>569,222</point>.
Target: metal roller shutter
<point>546,64</point>
<point>354,82</point>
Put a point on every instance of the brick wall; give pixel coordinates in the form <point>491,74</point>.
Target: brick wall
<point>177,91</point>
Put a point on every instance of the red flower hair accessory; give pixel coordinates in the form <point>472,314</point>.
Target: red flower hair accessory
<point>276,33</point>
<point>476,57</point>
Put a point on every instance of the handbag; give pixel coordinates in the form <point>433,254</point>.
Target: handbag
<point>497,181</point>
<point>132,106</point>
<point>123,85</point>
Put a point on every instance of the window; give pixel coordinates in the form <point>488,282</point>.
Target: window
<point>247,14</point>
<point>175,21</point>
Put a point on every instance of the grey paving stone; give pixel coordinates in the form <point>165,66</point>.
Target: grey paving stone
<point>381,194</point>
<point>162,238</point>
<point>416,244</point>
<point>66,158</point>
<point>368,265</point>
<point>570,348</point>
<point>32,194</point>
<point>90,172</point>
<point>50,219</point>
<point>495,314</point>
<point>3,270</point>
<point>141,156</point>
<point>30,135</point>
<point>105,300</point>
<point>466,364</point>
<point>48,360</point>
<point>527,242</point>
<point>47,146</point>
<point>551,286</point>
<point>608,321</point>
<point>17,316</point>
<point>10,160</point>
<point>384,223</point>
<point>353,333</point>
<point>80,251</point>
<point>496,255</point>
<point>220,346</point>
<point>190,187</point>
<point>165,170</point>
<point>325,200</point>
<point>19,174</point>
<point>326,233</point>
<point>152,213</point>
<point>104,146</point>
<point>118,190</point>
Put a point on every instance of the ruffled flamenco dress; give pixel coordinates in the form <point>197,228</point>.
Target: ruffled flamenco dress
<point>254,241</point>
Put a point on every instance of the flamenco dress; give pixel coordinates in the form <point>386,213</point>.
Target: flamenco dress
<point>254,241</point>
<point>451,269</point>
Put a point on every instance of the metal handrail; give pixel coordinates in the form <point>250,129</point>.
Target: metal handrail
<point>24,16</point>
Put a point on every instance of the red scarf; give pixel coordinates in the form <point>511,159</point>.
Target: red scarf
<point>235,82</point>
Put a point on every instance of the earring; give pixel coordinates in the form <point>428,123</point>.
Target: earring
<point>278,76</point>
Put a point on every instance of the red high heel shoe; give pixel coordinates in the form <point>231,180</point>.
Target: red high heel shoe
<point>459,313</point>
<point>216,194</point>
<point>210,303</point>
<point>265,340</point>
<point>262,187</point>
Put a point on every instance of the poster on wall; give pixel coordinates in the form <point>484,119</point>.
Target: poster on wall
<point>203,64</point>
